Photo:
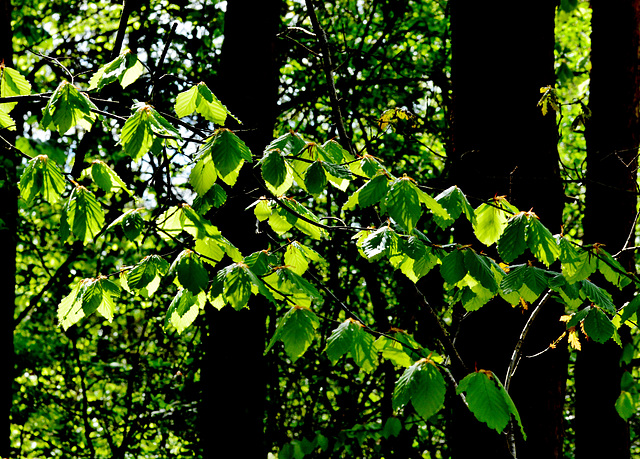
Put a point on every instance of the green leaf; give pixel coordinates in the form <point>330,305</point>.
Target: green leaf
<point>261,262</point>
<point>296,330</point>
<point>292,282</point>
<point>96,296</point>
<point>297,257</point>
<point>383,241</point>
<point>630,309</point>
<point>350,338</point>
<point>237,286</point>
<point>126,68</point>
<point>479,267</point>
<point>203,175</point>
<point>455,203</point>
<point>315,179</point>
<point>597,295</point>
<point>41,177</point>
<point>12,83</point>
<point>184,309</point>
<point>598,326</point>
<point>144,127</point>
<point>341,340</point>
<point>611,268</point>
<point>85,216</point>
<point>490,223</point>
<point>337,174</point>
<point>289,144</point>
<point>307,225</point>
<point>577,264</point>
<point>70,308</point>
<point>453,267</point>
<point>88,296</point>
<point>512,242</point>
<point>192,275</point>
<point>402,203</point>
<point>541,242</point>
<point>183,218</point>
<point>213,248</point>
<point>68,107</point>
<point>199,98</point>
<point>234,285</point>
<point>368,194</point>
<point>6,122</point>
<point>626,405</point>
<point>421,384</point>
<point>106,178</point>
<point>132,224</point>
<point>275,172</point>
<point>527,281</point>
<point>228,154</point>
<point>392,427</point>
<point>146,275</point>
<point>215,197</point>
<point>439,212</point>
<point>485,400</point>
<point>394,351</point>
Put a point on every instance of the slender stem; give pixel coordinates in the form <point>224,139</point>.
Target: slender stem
<point>517,351</point>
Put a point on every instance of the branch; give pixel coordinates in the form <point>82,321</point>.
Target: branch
<point>444,338</point>
<point>328,71</point>
<point>517,351</point>
<point>85,400</point>
<point>127,8</point>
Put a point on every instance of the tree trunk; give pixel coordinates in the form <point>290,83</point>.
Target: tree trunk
<point>503,145</point>
<point>234,373</point>
<point>612,135</point>
<point>8,236</point>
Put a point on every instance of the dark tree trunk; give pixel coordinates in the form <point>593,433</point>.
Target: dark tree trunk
<point>8,236</point>
<point>234,370</point>
<point>501,56</point>
<point>612,136</point>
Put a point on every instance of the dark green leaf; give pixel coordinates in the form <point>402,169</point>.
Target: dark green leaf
<point>479,268</point>
<point>422,385</point>
<point>296,330</point>
<point>191,274</point>
<point>315,179</point>
<point>485,400</point>
<point>453,267</point>
<point>512,243</point>
<point>402,203</point>
<point>598,326</point>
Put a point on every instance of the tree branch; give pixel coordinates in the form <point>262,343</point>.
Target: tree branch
<point>328,71</point>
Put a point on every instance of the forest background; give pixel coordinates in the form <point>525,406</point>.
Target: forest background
<point>302,229</point>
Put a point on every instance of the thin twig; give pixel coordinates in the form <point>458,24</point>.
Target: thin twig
<point>517,351</point>
<point>632,232</point>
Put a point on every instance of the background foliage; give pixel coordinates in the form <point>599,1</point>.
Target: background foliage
<point>131,162</point>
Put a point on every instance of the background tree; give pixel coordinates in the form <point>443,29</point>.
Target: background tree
<point>234,371</point>
<point>8,232</point>
<point>610,209</point>
<point>514,156</point>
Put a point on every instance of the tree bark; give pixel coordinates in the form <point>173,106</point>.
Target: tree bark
<point>234,370</point>
<point>8,236</point>
<point>612,135</point>
<point>503,145</point>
